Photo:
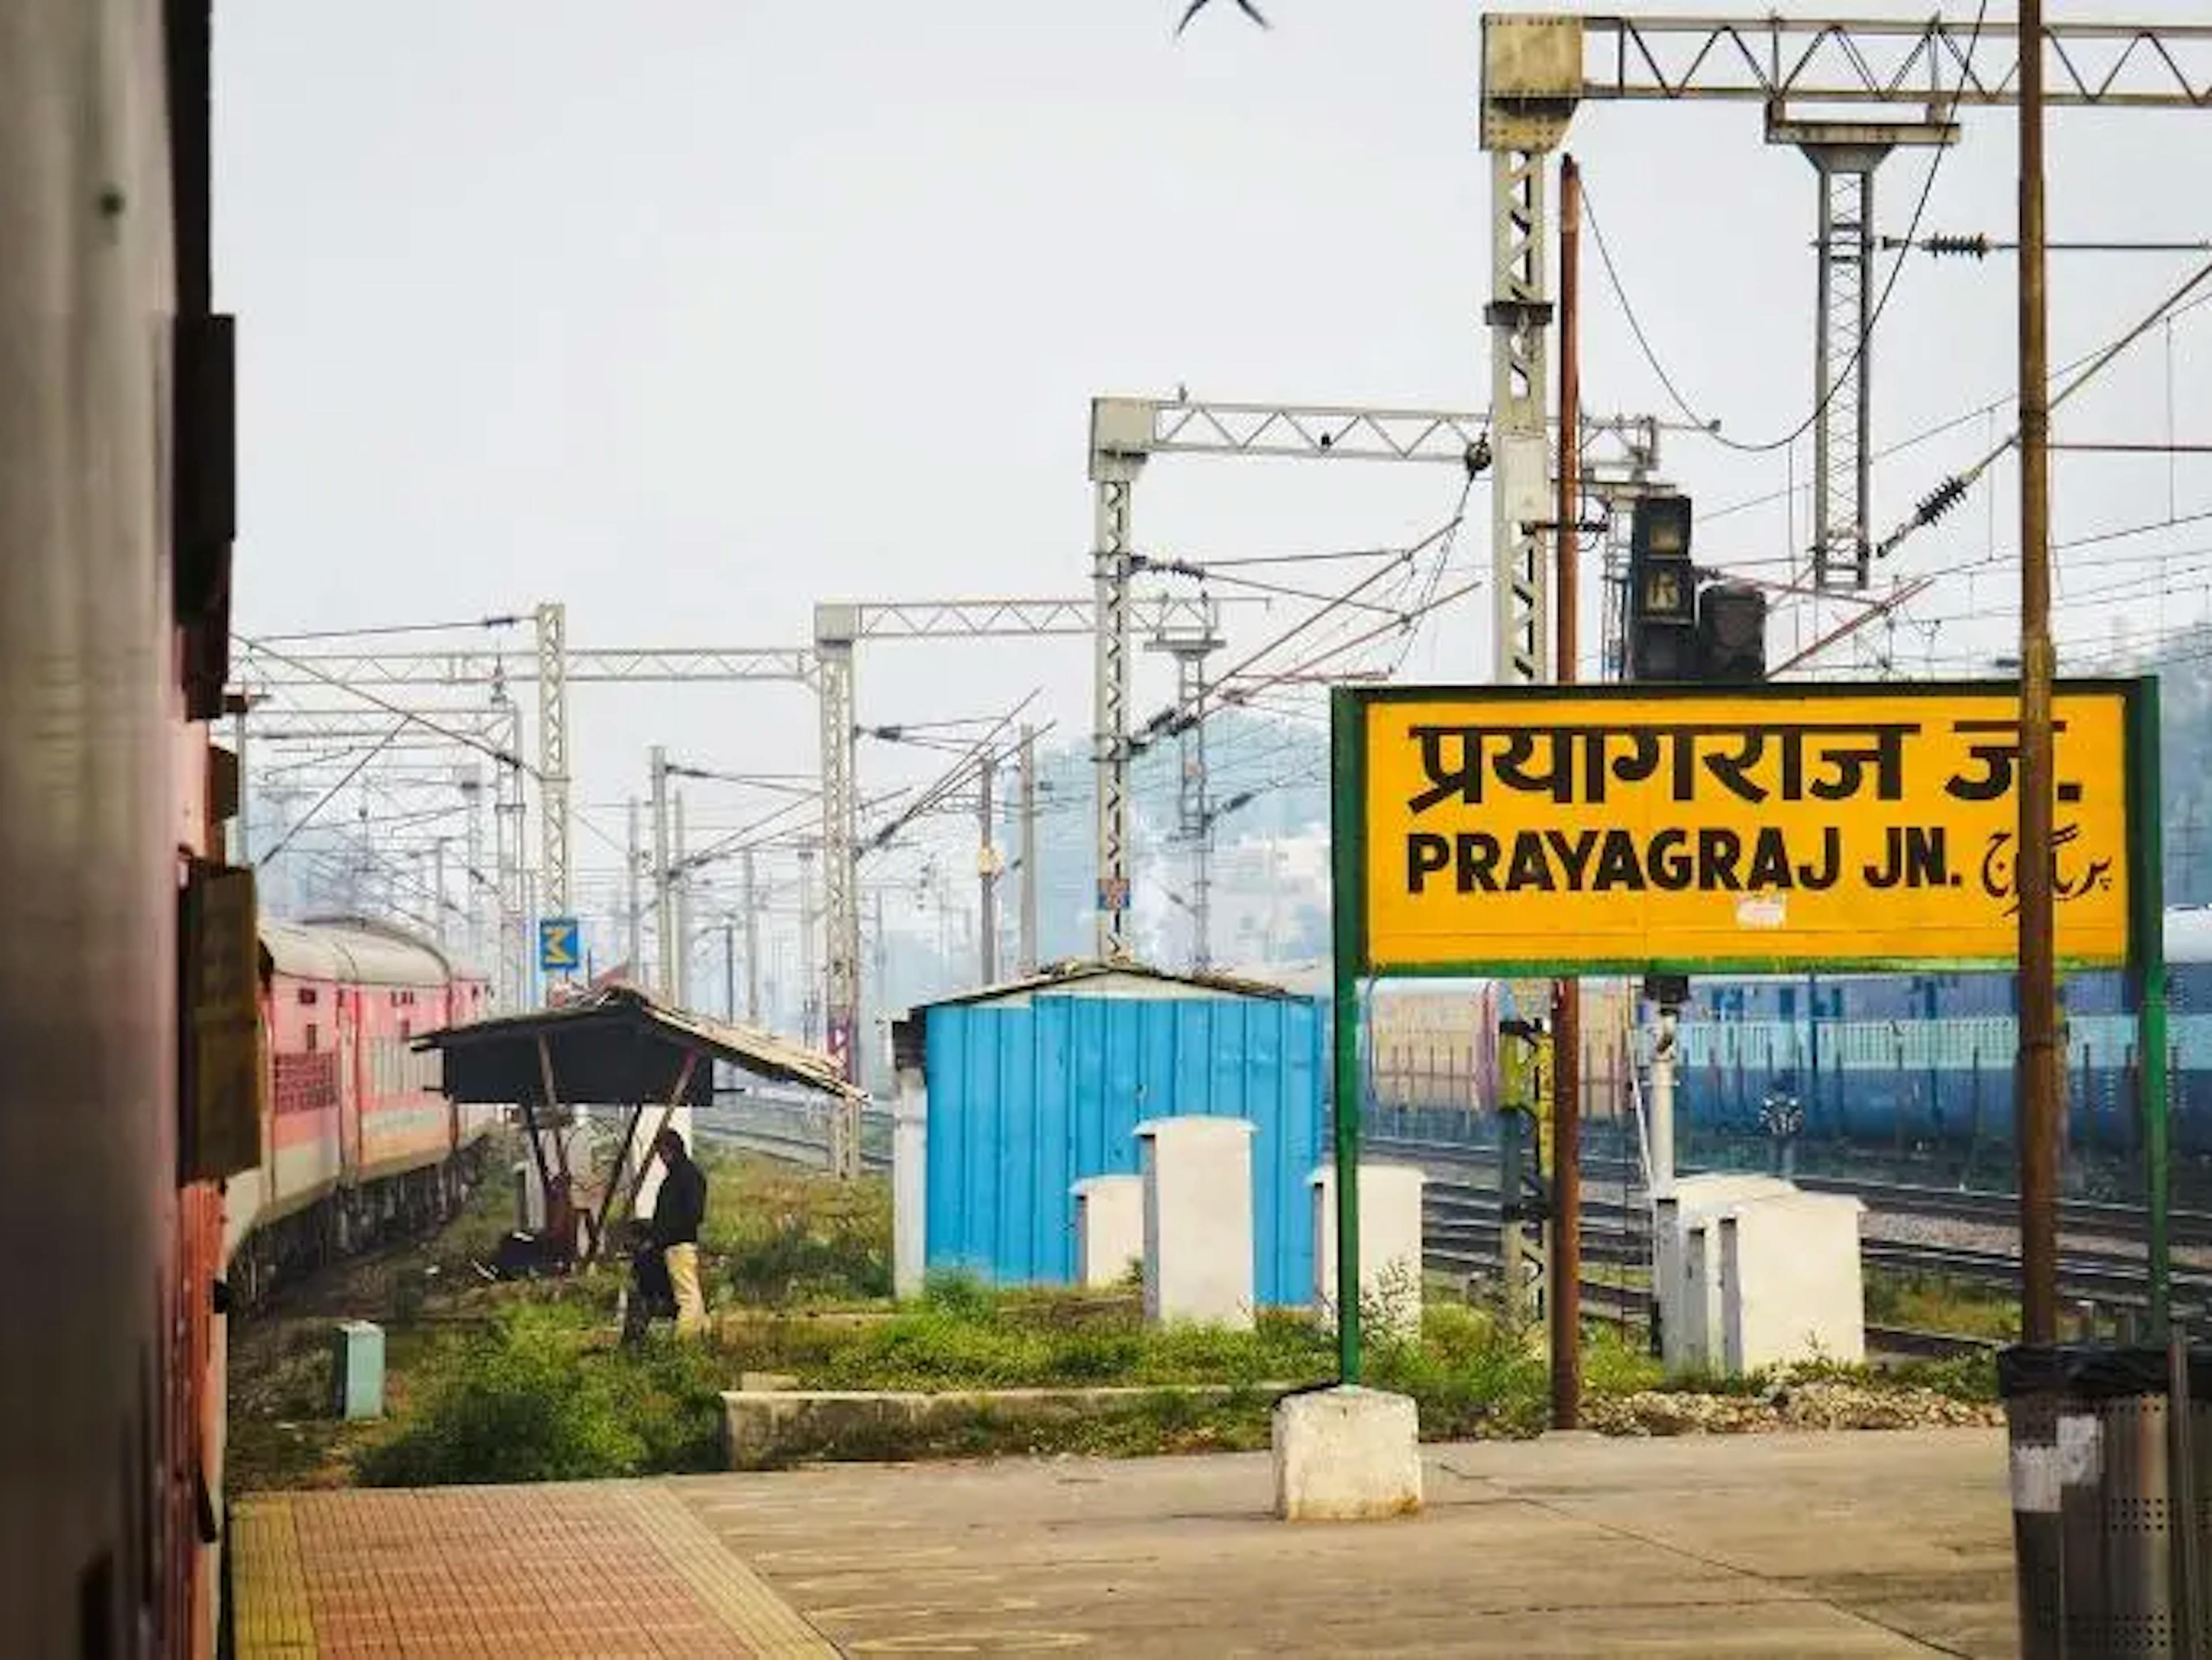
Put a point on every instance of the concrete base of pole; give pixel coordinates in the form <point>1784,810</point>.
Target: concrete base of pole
<point>1346,1455</point>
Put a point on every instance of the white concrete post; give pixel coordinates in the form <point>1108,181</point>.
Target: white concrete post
<point>1790,1284</point>
<point>909,1182</point>
<point>1198,1221</point>
<point>1684,1274</point>
<point>1389,1246</point>
<point>1110,1229</point>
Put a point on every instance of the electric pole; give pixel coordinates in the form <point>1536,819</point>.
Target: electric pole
<point>663,910</point>
<point>987,932</point>
<point>879,960</point>
<point>809,1003</point>
<point>1028,961</point>
<point>1566,1253</point>
<point>636,928</point>
<point>729,971</point>
<point>2038,1109</point>
<point>752,942</point>
<point>679,888</point>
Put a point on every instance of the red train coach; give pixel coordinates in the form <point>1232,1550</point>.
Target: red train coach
<point>356,1139</point>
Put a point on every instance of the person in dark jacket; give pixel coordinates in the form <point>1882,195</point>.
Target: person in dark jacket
<point>677,1210</point>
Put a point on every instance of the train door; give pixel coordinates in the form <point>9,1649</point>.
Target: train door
<point>348,1034</point>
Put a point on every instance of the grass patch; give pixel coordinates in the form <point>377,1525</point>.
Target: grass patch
<point>776,1236</point>
<point>523,1381</point>
<point>960,1336</point>
<point>1927,1302</point>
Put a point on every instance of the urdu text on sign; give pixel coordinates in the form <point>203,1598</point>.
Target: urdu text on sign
<point>1791,827</point>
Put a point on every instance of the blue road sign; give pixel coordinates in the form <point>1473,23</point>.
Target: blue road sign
<point>558,949</point>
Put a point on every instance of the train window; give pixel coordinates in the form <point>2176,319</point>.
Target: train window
<point>306,995</point>
<point>406,1030</point>
<point>312,1044</point>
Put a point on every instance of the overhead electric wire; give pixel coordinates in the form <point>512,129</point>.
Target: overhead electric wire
<point>1712,427</point>
<point>1437,575</point>
<point>390,707</point>
<point>958,774</point>
<point>1173,719</point>
<point>1207,572</point>
<point>396,627</point>
<point>328,795</point>
<point>1946,493</point>
<point>1950,424</point>
<point>1322,556</point>
<point>1442,600</point>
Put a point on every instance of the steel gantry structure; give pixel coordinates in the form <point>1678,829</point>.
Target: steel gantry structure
<point>475,734</point>
<point>552,666</point>
<point>839,627</point>
<point>1127,432</point>
<point>1902,80</point>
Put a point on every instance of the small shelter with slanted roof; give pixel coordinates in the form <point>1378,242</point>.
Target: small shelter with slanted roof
<point>617,1046</point>
<point>1011,1095</point>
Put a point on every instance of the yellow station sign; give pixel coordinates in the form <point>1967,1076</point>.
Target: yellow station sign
<point>1778,827</point>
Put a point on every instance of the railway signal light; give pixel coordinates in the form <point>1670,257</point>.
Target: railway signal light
<point>1731,634</point>
<point>1662,594</point>
<point>1676,632</point>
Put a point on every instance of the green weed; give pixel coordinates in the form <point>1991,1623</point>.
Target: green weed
<point>540,1398</point>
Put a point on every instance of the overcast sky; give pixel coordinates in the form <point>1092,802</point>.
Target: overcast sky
<point>689,313</point>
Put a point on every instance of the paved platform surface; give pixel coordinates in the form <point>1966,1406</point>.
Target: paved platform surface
<point>1863,1544</point>
<point>584,1568</point>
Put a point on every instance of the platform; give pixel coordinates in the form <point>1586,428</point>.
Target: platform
<point>1818,1544</point>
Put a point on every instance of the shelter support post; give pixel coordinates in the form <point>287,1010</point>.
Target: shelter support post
<point>614,1181</point>
<point>559,1218</point>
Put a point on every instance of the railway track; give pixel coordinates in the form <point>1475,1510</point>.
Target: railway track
<point>1461,1221</point>
<point>789,1134</point>
<point>1462,1231</point>
<point>2087,1218</point>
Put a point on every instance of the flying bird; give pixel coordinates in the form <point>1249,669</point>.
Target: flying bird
<point>1197,6</point>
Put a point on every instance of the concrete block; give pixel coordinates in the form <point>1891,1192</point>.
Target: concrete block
<point>910,1184</point>
<point>1389,1246</point>
<point>1689,1314</point>
<point>1198,1221</point>
<point>1790,1285</point>
<point>1346,1455</point>
<point>1110,1229</point>
<point>357,1370</point>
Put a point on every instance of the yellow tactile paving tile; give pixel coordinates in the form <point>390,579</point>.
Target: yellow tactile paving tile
<point>276,1620</point>
<point>586,1569</point>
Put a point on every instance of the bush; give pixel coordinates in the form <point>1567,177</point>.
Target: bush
<point>1469,1374</point>
<point>533,1399</point>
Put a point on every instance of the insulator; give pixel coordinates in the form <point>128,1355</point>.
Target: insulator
<point>1940,500</point>
<point>1976,246</point>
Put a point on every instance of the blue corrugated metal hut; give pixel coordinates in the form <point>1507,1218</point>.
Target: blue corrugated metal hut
<point>1035,1085</point>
